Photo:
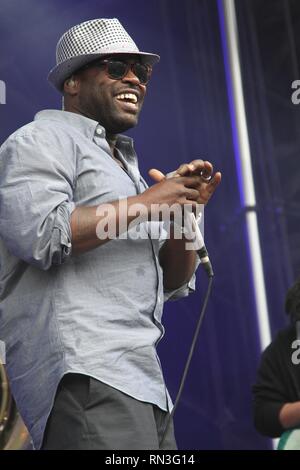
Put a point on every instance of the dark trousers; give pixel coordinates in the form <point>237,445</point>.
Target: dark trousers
<point>90,415</point>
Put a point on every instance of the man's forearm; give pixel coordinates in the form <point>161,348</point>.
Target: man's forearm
<point>170,193</point>
<point>177,262</point>
<point>85,223</point>
<point>289,415</point>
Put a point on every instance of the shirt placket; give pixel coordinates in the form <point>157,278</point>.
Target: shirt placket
<point>140,186</point>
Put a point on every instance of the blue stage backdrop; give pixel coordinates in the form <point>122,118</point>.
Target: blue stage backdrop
<point>186,116</point>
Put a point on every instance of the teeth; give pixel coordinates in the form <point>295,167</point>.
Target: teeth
<point>128,96</point>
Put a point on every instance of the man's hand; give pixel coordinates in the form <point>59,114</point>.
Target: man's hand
<point>205,183</point>
<point>188,187</point>
<point>181,191</point>
<point>289,415</point>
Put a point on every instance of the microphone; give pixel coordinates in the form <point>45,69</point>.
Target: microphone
<point>192,230</point>
<point>201,252</point>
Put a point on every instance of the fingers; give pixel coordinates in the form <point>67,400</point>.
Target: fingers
<point>190,181</point>
<point>197,182</point>
<point>196,167</point>
<point>191,194</point>
<point>186,168</point>
<point>156,175</point>
<point>201,167</point>
<point>207,171</point>
<point>214,183</point>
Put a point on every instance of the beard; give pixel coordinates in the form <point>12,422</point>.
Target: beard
<point>102,107</point>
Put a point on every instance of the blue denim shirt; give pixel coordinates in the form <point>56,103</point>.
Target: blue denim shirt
<point>97,313</point>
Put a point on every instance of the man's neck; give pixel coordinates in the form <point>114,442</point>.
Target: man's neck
<point>111,138</point>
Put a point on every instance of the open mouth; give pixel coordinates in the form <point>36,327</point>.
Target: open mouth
<point>128,101</point>
<point>127,98</point>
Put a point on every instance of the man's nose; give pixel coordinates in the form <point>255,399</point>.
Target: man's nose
<point>131,77</point>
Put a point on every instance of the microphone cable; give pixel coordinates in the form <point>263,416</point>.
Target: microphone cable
<point>192,348</point>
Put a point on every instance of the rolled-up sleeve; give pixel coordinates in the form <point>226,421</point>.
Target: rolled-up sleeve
<point>185,289</point>
<point>36,196</point>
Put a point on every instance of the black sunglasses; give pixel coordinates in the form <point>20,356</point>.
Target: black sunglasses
<point>118,69</point>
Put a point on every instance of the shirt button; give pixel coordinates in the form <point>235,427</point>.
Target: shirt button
<point>98,131</point>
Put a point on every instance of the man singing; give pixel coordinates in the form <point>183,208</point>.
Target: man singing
<point>80,310</point>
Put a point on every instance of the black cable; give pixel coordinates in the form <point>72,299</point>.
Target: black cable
<point>187,365</point>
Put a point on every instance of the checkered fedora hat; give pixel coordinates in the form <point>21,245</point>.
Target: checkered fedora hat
<point>89,40</point>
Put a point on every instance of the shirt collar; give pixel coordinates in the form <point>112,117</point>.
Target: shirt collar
<point>89,127</point>
<point>85,125</point>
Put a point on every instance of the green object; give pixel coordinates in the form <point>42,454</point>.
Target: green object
<point>290,440</point>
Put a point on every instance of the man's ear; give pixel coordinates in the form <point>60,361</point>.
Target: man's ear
<point>72,85</point>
